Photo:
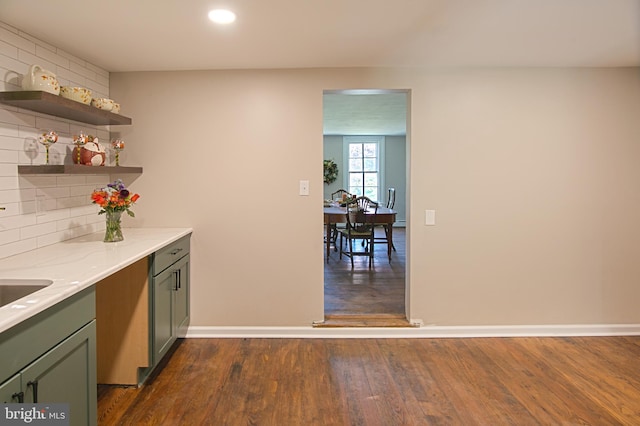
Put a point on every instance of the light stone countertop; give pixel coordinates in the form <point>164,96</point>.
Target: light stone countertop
<point>76,264</point>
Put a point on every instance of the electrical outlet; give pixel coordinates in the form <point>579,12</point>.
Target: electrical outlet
<point>304,187</point>
<point>430,217</point>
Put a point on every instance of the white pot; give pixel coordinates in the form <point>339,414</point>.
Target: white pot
<point>40,79</point>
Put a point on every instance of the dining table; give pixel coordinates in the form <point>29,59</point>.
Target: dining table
<point>334,213</point>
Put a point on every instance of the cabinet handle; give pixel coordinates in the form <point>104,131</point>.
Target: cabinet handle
<point>19,396</point>
<point>34,385</point>
<point>176,275</point>
<point>176,251</point>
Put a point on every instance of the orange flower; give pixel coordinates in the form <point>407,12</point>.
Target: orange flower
<point>114,197</point>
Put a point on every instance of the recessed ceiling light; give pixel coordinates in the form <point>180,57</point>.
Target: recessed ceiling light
<point>222,16</point>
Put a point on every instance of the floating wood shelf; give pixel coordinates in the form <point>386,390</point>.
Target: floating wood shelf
<point>58,106</point>
<point>57,169</point>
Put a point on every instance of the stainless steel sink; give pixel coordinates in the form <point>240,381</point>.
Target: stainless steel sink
<point>14,289</point>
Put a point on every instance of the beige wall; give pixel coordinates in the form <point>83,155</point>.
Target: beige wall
<point>533,174</point>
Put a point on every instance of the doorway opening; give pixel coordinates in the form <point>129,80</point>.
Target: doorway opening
<point>376,120</point>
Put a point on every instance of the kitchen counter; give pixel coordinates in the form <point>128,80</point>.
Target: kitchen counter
<point>76,264</point>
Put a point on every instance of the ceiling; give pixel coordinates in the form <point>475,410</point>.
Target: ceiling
<point>360,112</point>
<point>144,35</point>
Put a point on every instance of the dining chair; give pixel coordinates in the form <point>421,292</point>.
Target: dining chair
<point>391,202</point>
<point>340,194</point>
<point>360,225</point>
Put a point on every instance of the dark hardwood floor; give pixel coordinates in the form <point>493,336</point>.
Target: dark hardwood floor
<point>367,294</point>
<point>388,382</point>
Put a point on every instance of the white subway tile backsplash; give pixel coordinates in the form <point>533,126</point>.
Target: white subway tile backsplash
<point>52,238</point>
<point>28,132</point>
<point>44,209</point>
<point>67,77</point>
<point>96,220</point>
<point>8,182</point>
<point>8,156</point>
<point>37,230</point>
<point>29,153</point>
<point>52,215</point>
<point>17,222</point>
<point>84,190</point>
<point>27,207</point>
<point>72,181</point>
<point>10,36</point>
<point>17,195</point>
<point>31,59</point>
<point>53,192</point>
<point>8,170</point>
<point>9,80</point>
<point>37,41</point>
<point>17,247</point>
<point>37,181</point>
<point>15,69</point>
<point>78,67</point>
<point>44,205</point>
<point>75,128</point>
<point>86,210</point>
<point>69,202</point>
<point>10,209</point>
<point>99,90</point>
<point>71,223</point>
<point>10,236</point>
<point>49,123</point>
<point>96,181</point>
<point>102,80</point>
<point>17,118</point>
<point>97,70</point>
<point>52,56</point>
<point>8,50</point>
<point>9,136</point>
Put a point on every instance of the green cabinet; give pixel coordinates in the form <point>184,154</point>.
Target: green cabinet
<point>51,358</point>
<point>11,390</point>
<point>65,374</point>
<point>170,294</point>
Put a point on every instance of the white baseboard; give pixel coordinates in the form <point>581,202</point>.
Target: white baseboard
<point>417,332</point>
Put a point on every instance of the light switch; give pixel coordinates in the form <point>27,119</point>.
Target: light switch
<point>430,217</point>
<point>304,187</point>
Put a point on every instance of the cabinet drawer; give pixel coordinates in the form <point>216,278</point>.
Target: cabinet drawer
<point>164,257</point>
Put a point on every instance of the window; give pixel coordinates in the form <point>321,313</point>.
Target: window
<point>364,165</point>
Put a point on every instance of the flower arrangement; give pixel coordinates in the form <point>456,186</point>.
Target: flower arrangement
<point>330,169</point>
<point>115,197</point>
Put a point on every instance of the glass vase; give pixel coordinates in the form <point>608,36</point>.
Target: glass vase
<point>113,233</point>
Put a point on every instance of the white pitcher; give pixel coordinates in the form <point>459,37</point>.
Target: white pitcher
<point>40,79</point>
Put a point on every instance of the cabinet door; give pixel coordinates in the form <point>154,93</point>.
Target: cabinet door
<point>163,329</point>
<point>11,390</point>
<point>181,298</point>
<point>67,374</point>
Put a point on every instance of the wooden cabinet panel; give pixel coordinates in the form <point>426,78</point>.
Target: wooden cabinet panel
<point>122,313</point>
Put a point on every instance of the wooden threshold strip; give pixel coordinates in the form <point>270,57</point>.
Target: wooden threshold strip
<point>364,321</point>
